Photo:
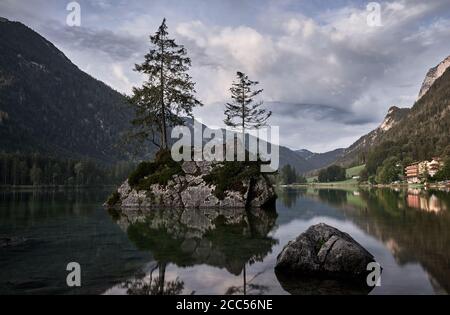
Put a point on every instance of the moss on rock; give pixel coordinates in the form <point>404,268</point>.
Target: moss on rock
<point>232,175</point>
<point>159,171</point>
<point>113,199</point>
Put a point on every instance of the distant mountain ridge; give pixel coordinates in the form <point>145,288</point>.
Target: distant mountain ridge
<point>361,147</point>
<point>421,131</point>
<point>320,160</point>
<point>357,152</point>
<point>304,153</point>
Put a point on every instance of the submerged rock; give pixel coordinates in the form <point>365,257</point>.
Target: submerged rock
<point>198,185</point>
<point>324,251</point>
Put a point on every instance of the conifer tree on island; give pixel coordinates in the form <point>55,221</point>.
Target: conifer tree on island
<point>168,92</point>
<point>244,112</point>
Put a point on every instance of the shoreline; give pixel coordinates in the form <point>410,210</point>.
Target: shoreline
<point>357,185</point>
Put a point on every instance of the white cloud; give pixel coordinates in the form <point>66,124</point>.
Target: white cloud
<point>123,79</point>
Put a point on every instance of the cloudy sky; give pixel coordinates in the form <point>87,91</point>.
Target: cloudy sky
<point>329,70</point>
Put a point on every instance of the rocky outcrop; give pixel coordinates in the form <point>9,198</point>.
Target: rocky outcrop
<point>394,116</point>
<point>190,189</point>
<point>432,75</point>
<point>324,251</point>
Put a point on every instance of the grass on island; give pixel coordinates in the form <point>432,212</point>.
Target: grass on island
<point>113,199</point>
<point>159,171</point>
<point>230,175</point>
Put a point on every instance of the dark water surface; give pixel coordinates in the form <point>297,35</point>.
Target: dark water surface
<point>209,252</point>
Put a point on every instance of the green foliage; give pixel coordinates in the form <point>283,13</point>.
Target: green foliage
<point>169,91</point>
<point>53,107</point>
<point>377,156</point>
<point>158,172</point>
<point>36,175</point>
<point>36,169</point>
<point>333,173</point>
<point>363,175</point>
<point>301,179</point>
<point>389,171</point>
<point>142,170</point>
<point>444,173</point>
<point>113,199</point>
<point>288,175</point>
<point>230,175</point>
<point>319,244</point>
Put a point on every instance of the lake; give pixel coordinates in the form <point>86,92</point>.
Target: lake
<point>185,252</point>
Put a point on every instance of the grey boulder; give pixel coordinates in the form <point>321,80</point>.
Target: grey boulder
<point>324,251</point>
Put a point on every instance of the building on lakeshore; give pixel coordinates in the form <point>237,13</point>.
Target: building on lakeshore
<point>434,166</point>
<point>412,173</point>
<point>417,171</point>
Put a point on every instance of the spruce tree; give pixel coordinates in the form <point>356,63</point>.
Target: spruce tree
<point>168,91</point>
<point>243,111</point>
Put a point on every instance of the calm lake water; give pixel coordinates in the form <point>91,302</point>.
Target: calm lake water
<point>408,232</point>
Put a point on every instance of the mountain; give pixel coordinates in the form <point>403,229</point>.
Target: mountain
<point>288,156</point>
<point>427,119</point>
<point>432,75</point>
<point>320,160</point>
<point>48,104</point>
<point>418,133</point>
<point>304,153</point>
<point>424,132</point>
<point>357,151</point>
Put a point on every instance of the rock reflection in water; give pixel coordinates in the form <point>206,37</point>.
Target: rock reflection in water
<point>224,238</point>
<point>412,224</point>
<point>312,286</point>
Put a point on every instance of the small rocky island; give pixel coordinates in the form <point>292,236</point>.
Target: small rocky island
<point>165,183</point>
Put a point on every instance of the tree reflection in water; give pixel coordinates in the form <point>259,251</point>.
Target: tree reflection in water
<point>248,287</point>
<point>224,238</point>
<point>156,286</point>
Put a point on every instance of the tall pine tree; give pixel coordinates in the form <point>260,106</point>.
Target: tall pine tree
<point>167,94</point>
<point>244,112</point>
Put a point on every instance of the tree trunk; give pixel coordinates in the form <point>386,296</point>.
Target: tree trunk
<point>163,107</point>
<point>162,277</point>
<point>245,280</point>
<point>243,115</point>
